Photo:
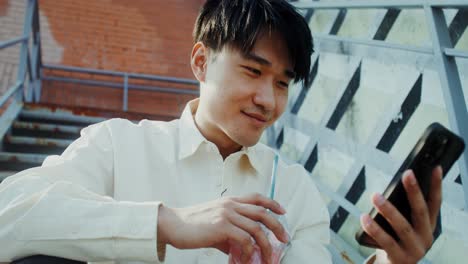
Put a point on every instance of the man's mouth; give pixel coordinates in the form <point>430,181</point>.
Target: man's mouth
<point>261,119</point>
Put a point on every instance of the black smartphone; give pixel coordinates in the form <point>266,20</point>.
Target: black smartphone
<point>437,146</point>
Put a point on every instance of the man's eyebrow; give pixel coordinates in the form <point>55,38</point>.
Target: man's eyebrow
<point>257,59</point>
<point>262,61</point>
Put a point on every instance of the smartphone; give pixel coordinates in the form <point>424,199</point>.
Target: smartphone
<point>437,146</point>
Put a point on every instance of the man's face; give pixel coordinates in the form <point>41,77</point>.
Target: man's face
<point>241,95</point>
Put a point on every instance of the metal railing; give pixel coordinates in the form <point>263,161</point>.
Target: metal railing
<point>125,84</point>
<point>442,51</point>
<point>30,60</point>
<point>28,83</point>
<point>375,152</point>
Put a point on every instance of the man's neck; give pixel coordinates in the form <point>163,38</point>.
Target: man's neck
<point>215,135</point>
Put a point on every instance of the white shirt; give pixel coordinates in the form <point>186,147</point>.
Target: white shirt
<point>99,200</point>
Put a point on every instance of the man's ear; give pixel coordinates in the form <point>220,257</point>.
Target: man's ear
<point>199,60</point>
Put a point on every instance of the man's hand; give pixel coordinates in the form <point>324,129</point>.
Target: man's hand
<point>220,223</point>
<point>415,239</point>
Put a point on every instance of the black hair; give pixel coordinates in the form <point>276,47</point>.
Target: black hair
<point>238,23</point>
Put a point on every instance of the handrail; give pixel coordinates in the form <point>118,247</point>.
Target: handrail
<point>125,81</point>
<point>28,64</point>
<point>12,42</point>
<point>120,85</point>
<point>121,74</point>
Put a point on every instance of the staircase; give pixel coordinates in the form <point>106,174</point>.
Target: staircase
<point>38,132</point>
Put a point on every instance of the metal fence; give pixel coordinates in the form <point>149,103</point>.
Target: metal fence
<point>28,84</point>
<point>373,152</point>
<point>125,85</point>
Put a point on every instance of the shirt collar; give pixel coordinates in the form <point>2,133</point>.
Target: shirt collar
<point>191,138</point>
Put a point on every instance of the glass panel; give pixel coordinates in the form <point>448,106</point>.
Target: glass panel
<point>457,27</point>
<point>322,21</point>
<point>359,23</point>
<point>376,181</point>
<point>431,109</point>
<point>293,90</point>
<point>326,169</point>
<point>410,28</point>
<point>462,43</point>
<point>294,144</point>
<point>333,72</point>
<point>381,83</point>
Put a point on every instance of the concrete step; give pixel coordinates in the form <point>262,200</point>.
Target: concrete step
<point>11,161</point>
<point>61,118</point>
<point>35,129</point>
<point>48,146</point>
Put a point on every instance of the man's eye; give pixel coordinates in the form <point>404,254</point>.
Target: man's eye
<point>253,70</point>
<point>283,84</point>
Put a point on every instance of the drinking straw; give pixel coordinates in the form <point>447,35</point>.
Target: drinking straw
<point>273,177</point>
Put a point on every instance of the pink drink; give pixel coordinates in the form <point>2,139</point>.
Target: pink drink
<point>278,249</point>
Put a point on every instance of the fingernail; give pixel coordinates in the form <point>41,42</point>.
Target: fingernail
<point>379,199</point>
<point>409,174</point>
<point>440,171</point>
<point>366,220</point>
<point>283,211</point>
<point>412,179</point>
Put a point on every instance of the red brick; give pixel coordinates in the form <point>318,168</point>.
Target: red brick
<point>140,36</point>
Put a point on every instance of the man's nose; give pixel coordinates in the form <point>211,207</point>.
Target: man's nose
<point>265,96</point>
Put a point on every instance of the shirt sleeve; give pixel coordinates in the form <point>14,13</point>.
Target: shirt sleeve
<point>65,208</point>
<point>309,222</point>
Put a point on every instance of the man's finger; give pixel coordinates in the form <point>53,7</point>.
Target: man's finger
<point>243,239</point>
<point>399,223</point>
<point>255,230</point>
<point>435,195</point>
<point>260,200</point>
<point>385,241</point>
<point>419,211</point>
<point>260,214</point>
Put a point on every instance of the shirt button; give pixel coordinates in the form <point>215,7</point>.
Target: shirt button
<point>209,253</point>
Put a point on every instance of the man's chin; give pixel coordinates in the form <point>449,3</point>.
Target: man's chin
<point>249,142</point>
<point>245,139</point>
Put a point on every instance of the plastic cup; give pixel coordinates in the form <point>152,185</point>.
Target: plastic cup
<point>278,248</point>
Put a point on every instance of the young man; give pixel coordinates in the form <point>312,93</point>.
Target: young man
<point>123,192</point>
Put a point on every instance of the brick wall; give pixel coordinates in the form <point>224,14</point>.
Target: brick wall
<point>141,36</point>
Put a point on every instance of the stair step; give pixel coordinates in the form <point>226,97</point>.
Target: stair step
<point>47,142</point>
<point>47,127</point>
<point>34,129</point>
<point>58,118</point>
<point>35,145</point>
<point>10,161</point>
